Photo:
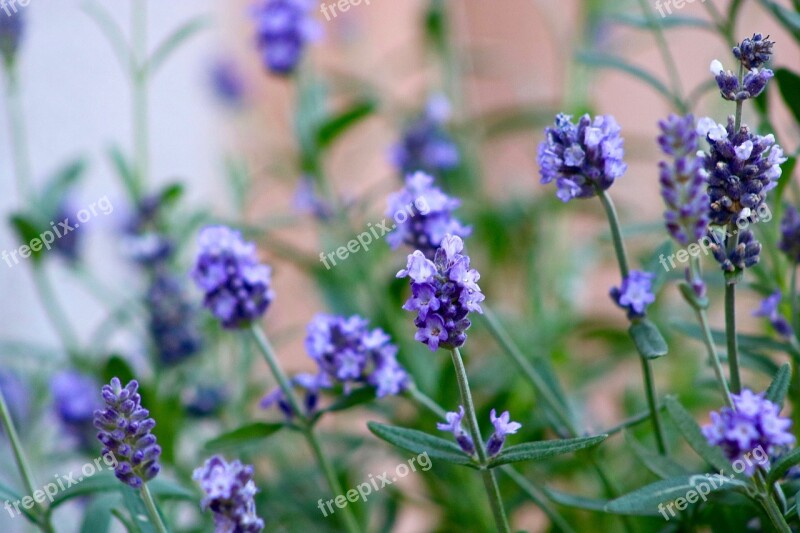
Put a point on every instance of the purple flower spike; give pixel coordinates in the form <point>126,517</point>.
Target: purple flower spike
<point>752,427</point>
<point>790,234</point>
<point>125,432</point>
<point>426,146</point>
<point>237,287</point>
<point>635,294</point>
<point>229,491</point>
<point>754,52</point>
<point>582,158</point>
<point>769,310</point>
<point>453,425</point>
<point>502,426</point>
<point>746,254</point>
<point>284,28</point>
<point>443,292</point>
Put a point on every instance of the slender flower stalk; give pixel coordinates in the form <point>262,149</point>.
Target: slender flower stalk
<point>152,510</point>
<point>140,78</point>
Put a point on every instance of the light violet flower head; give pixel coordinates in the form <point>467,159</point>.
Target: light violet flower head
<point>769,310</point>
<point>453,425</point>
<point>284,28</point>
<point>635,294</point>
<point>502,426</point>
<point>229,491</point>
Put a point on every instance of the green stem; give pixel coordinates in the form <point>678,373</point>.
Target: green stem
<point>18,137</point>
<point>55,312</point>
<point>140,78</point>
<point>730,333</point>
<point>774,513</point>
<point>489,480</point>
<point>737,123</point>
<point>616,233</point>
<point>655,414</point>
<point>795,319</point>
<point>272,361</point>
<point>152,510</point>
<point>666,55</point>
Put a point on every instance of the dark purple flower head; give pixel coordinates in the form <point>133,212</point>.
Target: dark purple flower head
<point>75,397</point>
<point>228,82</point>
<point>126,433</point>
<point>753,424</point>
<point>752,84</point>
<point>443,293</point>
<point>173,320</point>
<point>502,426</point>
<point>754,52</point>
<point>427,215</point>
<point>790,234</point>
<point>229,494</point>
<point>683,180</point>
<point>12,27</point>
<point>769,310</point>
<point>635,294</point>
<point>205,400</point>
<point>744,255</point>
<point>426,146</point>
<point>453,425</point>
<point>284,28</point>
<point>741,168</point>
<point>582,158</point>
<point>237,287</point>
<point>69,245</point>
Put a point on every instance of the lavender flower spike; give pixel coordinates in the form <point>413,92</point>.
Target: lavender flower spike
<point>284,28</point>
<point>683,181</point>
<point>790,234</point>
<point>229,491</point>
<point>444,292</point>
<point>426,145</point>
<point>453,425</point>
<point>125,432</point>
<point>582,158</point>
<point>635,294</point>
<point>769,310</point>
<point>752,426</point>
<point>237,287</point>
<point>753,54</point>
<point>502,426</point>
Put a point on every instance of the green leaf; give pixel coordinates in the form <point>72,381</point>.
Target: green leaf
<point>694,436</point>
<point>788,18</point>
<point>7,493</point>
<point>782,465</point>
<point>171,194</point>
<point>174,41</point>
<point>673,21</point>
<point>789,85</point>
<point>660,465</point>
<point>245,435</point>
<point>104,481</point>
<point>601,60</point>
<point>137,510</point>
<point>648,339</point>
<point>126,172</point>
<point>577,502</point>
<point>97,517</point>
<point>166,489</point>
<point>338,125</point>
<point>112,32</point>
<point>117,367</point>
<point>746,342</point>
<point>418,442</point>
<point>777,390</point>
<point>646,500</point>
<point>536,451</point>
<point>27,230</point>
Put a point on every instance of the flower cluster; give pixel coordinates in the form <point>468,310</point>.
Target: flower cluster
<point>503,426</point>
<point>12,26</point>
<point>683,181</point>
<point>75,399</point>
<point>741,168</point>
<point>443,292</point>
<point>432,220</point>
<point>752,423</point>
<point>229,492</point>
<point>790,234</point>
<point>172,322</point>
<point>769,310</point>
<point>125,431</point>
<point>582,158</point>
<point>426,146</point>
<point>635,293</point>
<point>752,54</point>
<point>745,254</point>
<point>237,287</point>
<point>283,27</point>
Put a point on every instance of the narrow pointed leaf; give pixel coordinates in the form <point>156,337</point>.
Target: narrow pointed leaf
<point>694,436</point>
<point>783,465</point>
<point>777,390</point>
<point>648,339</point>
<point>660,465</point>
<point>536,451</point>
<point>418,442</point>
<point>244,436</point>
<point>646,500</point>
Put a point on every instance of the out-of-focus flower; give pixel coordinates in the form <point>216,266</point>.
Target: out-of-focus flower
<point>753,424</point>
<point>228,82</point>
<point>683,181</point>
<point>426,145</point>
<point>68,246</point>
<point>284,28</point>
<point>173,320</point>
<point>502,426</point>
<point>237,287</point>
<point>427,215</point>
<point>12,28</point>
<point>229,494</point>
<point>769,310</point>
<point>453,425</point>
<point>205,400</point>
<point>75,399</point>
<point>635,294</point>
<point>307,201</point>
<point>309,384</point>
<point>790,234</point>
<point>126,433</point>
<point>582,158</point>
<point>444,292</point>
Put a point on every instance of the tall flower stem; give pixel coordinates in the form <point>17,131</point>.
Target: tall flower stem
<point>16,122</point>
<point>795,319</point>
<point>306,427</point>
<point>666,55</point>
<point>140,76</point>
<point>489,479</point>
<point>152,510</point>
<point>730,333</point>
<point>647,370</point>
<point>774,513</point>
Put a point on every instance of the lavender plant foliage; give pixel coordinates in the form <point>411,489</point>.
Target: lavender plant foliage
<point>237,288</point>
<point>503,426</point>
<point>426,145</point>
<point>753,423</point>
<point>635,294</point>
<point>75,400</point>
<point>769,310</point>
<point>431,215</point>
<point>683,180</point>
<point>453,425</point>
<point>789,243</point>
<point>582,158</point>
<point>284,28</point>
<point>12,28</point>
<point>126,433</point>
<point>229,494</point>
<point>443,293</point>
